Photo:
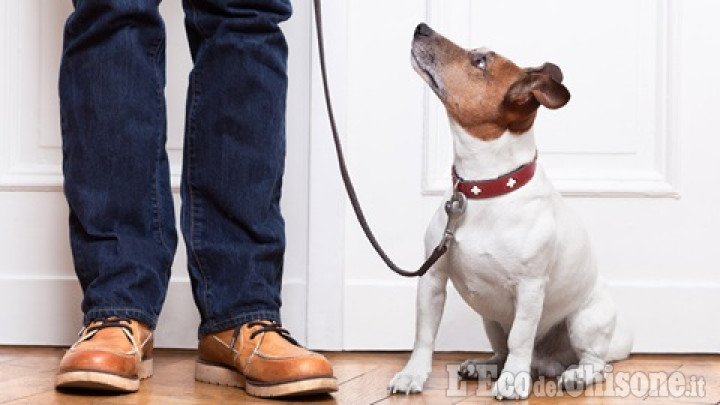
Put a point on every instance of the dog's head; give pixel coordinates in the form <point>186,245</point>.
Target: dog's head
<point>484,92</point>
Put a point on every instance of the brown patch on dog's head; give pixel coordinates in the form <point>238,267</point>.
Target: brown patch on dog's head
<point>484,92</point>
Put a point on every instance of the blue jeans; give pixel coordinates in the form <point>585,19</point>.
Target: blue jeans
<point>117,181</point>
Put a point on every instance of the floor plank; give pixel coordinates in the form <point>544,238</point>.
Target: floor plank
<point>27,375</point>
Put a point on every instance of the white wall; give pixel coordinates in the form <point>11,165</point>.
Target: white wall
<point>38,289</point>
<point>633,152</point>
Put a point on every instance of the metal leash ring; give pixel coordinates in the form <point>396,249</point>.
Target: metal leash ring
<point>455,208</point>
<point>457,204</point>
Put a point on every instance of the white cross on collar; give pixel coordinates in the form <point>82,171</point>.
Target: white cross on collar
<point>511,182</point>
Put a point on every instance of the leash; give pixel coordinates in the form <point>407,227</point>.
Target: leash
<point>454,207</point>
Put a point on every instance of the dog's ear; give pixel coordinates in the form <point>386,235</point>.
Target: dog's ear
<point>548,91</point>
<point>542,85</point>
<point>549,69</point>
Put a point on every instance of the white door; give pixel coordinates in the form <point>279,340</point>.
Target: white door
<point>635,153</point>
<point>39,294</point>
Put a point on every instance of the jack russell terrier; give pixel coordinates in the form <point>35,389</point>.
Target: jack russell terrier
<point>520,258</point>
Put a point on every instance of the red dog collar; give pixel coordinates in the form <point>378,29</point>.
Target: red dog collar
<point>496,187</point>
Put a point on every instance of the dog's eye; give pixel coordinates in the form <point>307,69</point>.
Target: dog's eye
<point>479,61</point>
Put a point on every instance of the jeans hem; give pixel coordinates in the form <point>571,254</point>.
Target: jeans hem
<point>132,313</point>
<point>214,327</point>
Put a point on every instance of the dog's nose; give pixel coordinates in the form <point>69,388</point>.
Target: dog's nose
<point>423,30</point>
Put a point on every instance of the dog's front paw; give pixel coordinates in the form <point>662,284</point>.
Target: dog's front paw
<point>408,381</point>
<point>512,385</point>
<point>579,378</point>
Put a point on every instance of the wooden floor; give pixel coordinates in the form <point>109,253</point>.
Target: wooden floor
<point>26,377</point>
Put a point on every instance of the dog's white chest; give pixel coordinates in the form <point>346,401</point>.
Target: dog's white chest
<point>485,286</point>
<point>521,236</point>
<point>487,258</point>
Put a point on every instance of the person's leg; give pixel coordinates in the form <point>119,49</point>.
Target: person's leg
<point>234,156</point>
<point>234,159</point>
<point>117,183</point>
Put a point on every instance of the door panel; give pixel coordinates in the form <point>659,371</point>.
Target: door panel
<point>633,153</point>
<point>38,288</point>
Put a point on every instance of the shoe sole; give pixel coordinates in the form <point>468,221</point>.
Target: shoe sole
<point>96,380</point>
<point>221,375</point>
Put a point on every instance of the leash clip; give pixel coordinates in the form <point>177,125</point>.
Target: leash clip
<point>455,208</point>
<point>457,204</point>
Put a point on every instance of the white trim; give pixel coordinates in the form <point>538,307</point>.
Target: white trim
<point>670,26</point>
<point>652,309</point>
<point>55,306</point>
<point>10,104</point>
<point>31,178</point>
<point>327,197</point>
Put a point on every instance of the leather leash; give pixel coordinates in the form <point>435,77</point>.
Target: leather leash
<point>454,207</point>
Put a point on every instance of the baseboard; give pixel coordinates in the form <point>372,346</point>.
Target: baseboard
<point>666,317</point>
<point>45,311</point>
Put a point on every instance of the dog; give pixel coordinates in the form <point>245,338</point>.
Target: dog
<point>519,257</point>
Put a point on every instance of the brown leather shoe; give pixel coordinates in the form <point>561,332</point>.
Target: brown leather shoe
<point>261,357</point>
<point>113,354</point>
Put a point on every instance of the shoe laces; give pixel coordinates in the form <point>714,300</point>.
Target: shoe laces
<point>265,326</point>
<point>113,322</point>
